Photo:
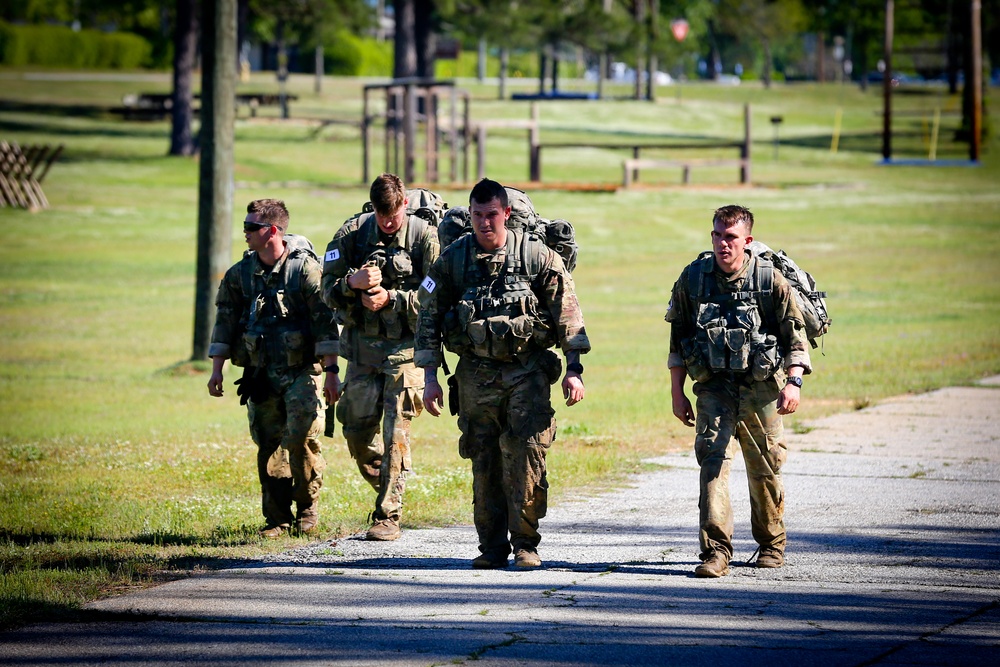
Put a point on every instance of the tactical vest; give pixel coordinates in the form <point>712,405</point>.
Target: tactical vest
<point>498,317</point>
<point>400,266</point>
<point>735,332</point>
<point>276,324</point>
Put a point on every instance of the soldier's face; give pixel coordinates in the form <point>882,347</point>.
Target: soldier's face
<point>255,232</point>
<point>390,224</point>
<point>728,243</point>
<point>489,223</point>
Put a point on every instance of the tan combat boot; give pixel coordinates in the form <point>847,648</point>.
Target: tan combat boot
<point>527,558</point>
<point>273,532</point>
<point>770,557</point>
<point>384,530</point>
<point>307,520</point>
<point>716,565</point>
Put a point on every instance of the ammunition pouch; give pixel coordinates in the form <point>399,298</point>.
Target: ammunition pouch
<point>766,358</point>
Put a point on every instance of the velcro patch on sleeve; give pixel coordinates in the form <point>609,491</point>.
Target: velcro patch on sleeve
<point>429,284</point>
<point>331,255</point>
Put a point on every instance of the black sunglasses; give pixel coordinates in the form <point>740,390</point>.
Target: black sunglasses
<point>254,226</point>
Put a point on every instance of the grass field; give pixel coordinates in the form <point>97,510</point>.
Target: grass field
<point>117,469</point>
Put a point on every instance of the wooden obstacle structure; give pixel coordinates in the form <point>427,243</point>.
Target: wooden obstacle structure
<point>630,166</point>
<point>22,171</point>
<point>412,103</point>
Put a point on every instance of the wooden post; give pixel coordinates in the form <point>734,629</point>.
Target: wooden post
<point>635,172</point>
<point>215,178</point>
<point>409,133</point>
<point>745,150</point>
<point>453,132</point>
<point>365,138</point>
<point>977,81</point>
<point>433,143</point>
<point>534,169</point>
<point>466,138</point>
<point>481,153</point>
<point>887,84</point>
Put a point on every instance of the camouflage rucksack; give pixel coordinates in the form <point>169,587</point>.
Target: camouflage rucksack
<point>556,234</point>
<point>811,302</point>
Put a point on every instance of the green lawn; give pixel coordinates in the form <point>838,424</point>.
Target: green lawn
<point>115,465</point>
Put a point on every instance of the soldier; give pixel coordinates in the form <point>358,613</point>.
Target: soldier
<point>273,322</point>
<point>737,331</point>
<point>371,272</point>
<point>500,298</point>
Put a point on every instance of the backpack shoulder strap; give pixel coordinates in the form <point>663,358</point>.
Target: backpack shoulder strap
<point>764,288</point>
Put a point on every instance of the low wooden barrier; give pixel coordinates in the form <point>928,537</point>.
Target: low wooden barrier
<point>631,167</point>
<point>22,171</point>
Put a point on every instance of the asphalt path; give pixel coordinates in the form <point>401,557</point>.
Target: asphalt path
<point>893,554</point>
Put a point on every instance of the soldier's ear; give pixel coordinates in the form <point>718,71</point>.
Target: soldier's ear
<point>749,239</point>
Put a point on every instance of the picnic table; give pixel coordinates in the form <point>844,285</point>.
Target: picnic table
<point>157,106</point>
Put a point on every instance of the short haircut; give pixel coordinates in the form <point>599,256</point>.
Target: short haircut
<point>271,211</point>
<point>734,215</point>
<point>486,191</point>
<point>387,194</point>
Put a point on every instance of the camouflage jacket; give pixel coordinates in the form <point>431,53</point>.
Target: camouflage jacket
<point>372,337</point>
<point>472,300</point>
<point>273,316</point>
<point>724,327</point>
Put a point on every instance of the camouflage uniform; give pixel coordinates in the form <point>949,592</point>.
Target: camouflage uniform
<point>273,319</point>
<point>382,384</point>
<point>738,354</point>
<point>501,311</point>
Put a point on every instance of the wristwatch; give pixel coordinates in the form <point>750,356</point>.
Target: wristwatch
<point>797,381</point>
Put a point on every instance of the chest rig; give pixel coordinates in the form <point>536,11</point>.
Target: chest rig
<point>276,324</point>
<point>498,315</point>
<point>733,331</point>
<point>400,261</point>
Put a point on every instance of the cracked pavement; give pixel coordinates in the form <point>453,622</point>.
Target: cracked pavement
<point>894,544</point>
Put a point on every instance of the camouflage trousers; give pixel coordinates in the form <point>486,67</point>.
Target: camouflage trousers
<point>286,428</point>
<point>390,393</point>
<point>749,411</point>
<point>507,424</point>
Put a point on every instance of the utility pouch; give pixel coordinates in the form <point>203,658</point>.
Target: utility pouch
<point>696,368</point>
<point>294,343</point>
<point>453,405</point>
<point>765,359</point>
<point>252,344</point>
<point>551,365</point>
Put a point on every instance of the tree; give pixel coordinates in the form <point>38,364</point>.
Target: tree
<point>185,50</point>
<point>765,21</point>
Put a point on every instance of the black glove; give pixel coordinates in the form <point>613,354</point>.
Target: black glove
<point>253,386</point>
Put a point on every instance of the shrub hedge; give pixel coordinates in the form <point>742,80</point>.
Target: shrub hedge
<point>349,55</point>
<point>60,46</point>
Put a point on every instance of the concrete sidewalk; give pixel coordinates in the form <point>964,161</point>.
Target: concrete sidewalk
<point>894,545</point>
